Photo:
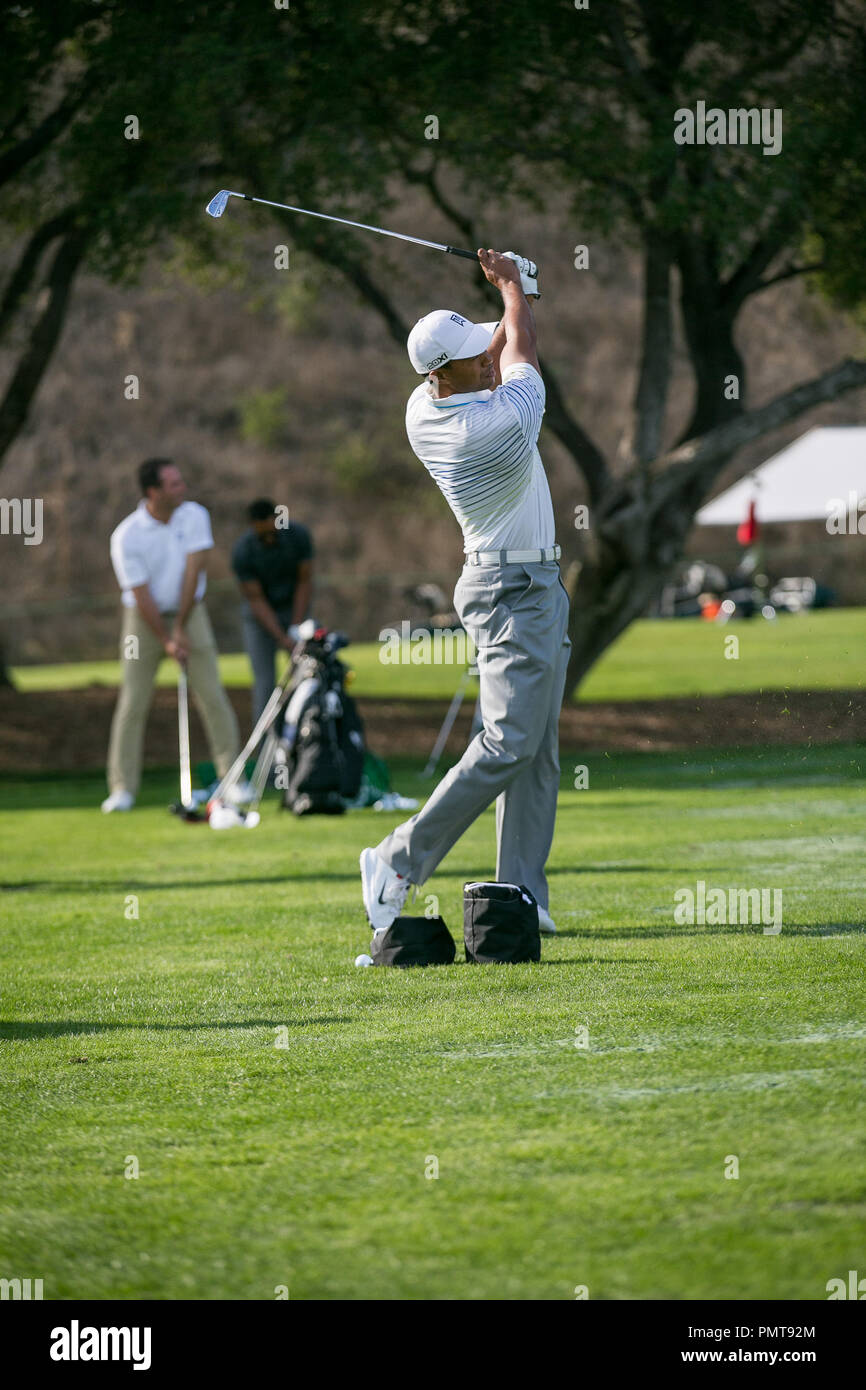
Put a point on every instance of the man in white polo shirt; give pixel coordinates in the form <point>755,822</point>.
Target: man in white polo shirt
<point>474,424</point>
<point>159,554</point>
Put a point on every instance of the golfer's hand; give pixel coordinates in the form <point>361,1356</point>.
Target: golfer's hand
<point>528,274</point>
<point>498,269</point>
<point>177,647</point>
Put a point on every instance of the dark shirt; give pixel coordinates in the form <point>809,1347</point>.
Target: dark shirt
<point>275,566</point>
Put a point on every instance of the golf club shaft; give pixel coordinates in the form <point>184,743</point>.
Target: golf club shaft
<point>236,770</point>
<point>447,724</point>
<point>362,226</point>
<point>183,737</point>
<point>259,779</point>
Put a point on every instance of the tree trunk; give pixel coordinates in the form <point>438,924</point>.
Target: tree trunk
<point>617,582</point>
<point>608,598</point>
<point>6,681</point>
<point>643,439</point>
<point>708,322</point>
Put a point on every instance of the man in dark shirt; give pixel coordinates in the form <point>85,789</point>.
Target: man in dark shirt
<point>274,567</point>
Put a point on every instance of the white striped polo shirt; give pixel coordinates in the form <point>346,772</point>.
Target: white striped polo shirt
<point>480,449</point>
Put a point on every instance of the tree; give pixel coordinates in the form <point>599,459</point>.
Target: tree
<point>103,113</point>
<point>587,103</point>
<point>324,102</point>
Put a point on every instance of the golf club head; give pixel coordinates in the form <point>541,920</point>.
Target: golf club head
<point>217,205</point>
<point>187,813</point>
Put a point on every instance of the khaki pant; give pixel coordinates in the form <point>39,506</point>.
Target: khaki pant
<point>140,660</point>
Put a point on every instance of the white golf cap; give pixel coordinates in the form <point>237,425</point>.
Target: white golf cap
<point>443,335</point>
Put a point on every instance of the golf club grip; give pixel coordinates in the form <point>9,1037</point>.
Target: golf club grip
<point>467,255</point>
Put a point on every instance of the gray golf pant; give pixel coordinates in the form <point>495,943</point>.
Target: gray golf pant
<point>518,617</point>
<point>262,651</point>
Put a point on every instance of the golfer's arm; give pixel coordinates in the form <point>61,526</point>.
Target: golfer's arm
<point>519,323</point>
<point>497,343</point>
<point>262,610</point>
<point>303,592</point>
<point>149,611</point>
<point>195,563</point>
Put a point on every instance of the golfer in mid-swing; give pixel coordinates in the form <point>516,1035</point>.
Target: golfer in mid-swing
<point>474,425</point>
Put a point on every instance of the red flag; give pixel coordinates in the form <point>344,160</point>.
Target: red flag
<point>748,530</point>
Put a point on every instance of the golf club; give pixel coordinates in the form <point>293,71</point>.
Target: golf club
<point>448,722</point>
<point>266,718</point>
<point>184,808</point>
<point>259,779</point>
<point>183,737</point>
<point>217,206</point>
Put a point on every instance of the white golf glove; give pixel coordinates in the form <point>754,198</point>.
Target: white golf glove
<point>528,273</point>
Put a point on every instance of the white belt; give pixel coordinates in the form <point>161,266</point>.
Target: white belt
<point>513,557</point>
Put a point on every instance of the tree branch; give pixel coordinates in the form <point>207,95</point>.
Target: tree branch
<point>588,457</point>
<point>25,382</point>
<point>774,59</point>
<point>22,276</point>
<point>323,247</point>
<point>14,159</point>
<point>641,86</point>
<point>746,279</point>
<point>699,460</point>
<point>459,219</point>
<point>788,274</point>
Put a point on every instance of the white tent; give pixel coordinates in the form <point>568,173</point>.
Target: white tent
<point>802,483</point>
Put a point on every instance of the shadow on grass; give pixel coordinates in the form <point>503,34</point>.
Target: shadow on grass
<point>10,1029</point>
<point>595,960</point>
<point>126,885</point>
<point>828,929</point>
<point>703,769</point>
<point>122,885</point>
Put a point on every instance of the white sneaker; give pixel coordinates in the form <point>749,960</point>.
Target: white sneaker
<point>384,891</point>
<point>546,924</point>
<point>118,801</point>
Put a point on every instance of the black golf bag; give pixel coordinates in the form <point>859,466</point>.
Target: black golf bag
<point>320,754</point>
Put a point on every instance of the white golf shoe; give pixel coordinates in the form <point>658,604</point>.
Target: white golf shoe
<point>118,801</point>
<point>546,924</point>
<point>384,891</point>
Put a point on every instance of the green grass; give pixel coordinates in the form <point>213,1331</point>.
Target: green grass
<point>559,1165</point>
<point>652,660</point>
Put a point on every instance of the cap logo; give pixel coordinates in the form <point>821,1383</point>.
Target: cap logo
<point>443,357</point>
<point>455,318</point>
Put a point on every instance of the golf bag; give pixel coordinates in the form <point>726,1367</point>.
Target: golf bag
<point>321,745</point>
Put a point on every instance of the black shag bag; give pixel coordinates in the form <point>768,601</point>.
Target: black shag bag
<point>414,941</point>
<point>322,743</point>
<point>500,923</point>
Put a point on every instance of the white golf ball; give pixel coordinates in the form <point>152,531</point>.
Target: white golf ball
<point>363,959</point>
<point>251,819</point>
